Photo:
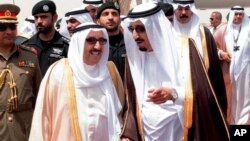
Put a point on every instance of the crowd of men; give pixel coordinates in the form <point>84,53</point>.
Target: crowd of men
<point>156,74</point>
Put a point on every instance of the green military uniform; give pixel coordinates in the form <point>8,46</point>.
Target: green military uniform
<point>23,65</point>
<point>20,77</point>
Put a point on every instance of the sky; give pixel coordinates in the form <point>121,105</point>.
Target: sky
<point>65,5</point>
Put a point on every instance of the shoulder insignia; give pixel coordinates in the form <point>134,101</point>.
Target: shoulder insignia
<point>28,48</point>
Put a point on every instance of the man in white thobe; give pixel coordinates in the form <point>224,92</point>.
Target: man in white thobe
<point>77,99</point>
<point>238,44</point>
<point>153,63</point>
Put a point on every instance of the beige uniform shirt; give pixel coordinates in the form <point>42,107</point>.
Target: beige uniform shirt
<point>23,65</point>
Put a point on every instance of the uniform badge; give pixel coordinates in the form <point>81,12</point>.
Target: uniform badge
<point>26,63</point>
<point>7,13</point>
<point>45,8</point>
<point>56,53</point>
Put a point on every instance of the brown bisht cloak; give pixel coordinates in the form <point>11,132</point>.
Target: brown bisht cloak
<point>208,121</point>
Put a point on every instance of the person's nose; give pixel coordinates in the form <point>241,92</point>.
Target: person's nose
<point>183,11</point>
<point>98,45</point>
<point>38,20</point>
<point>135,34</point>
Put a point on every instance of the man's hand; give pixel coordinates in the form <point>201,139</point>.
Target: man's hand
<point>225,56</point>
<point>160,95</point>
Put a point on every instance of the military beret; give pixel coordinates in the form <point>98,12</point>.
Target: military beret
<point>107,5</point>
<point>44,6</point>
<point>8,13</point>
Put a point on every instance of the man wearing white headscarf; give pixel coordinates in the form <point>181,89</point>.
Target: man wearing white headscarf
<point>92,6</point>
<point>238,44</point>
<point>27,30</point>
<point>77,99</point>
<point>156,83</point>
<point>186,23</point>
<point>72,19</point>
<point>166,108</point>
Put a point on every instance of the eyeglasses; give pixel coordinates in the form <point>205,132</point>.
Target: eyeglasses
<point>93,40</point>
<point>138,29</point>
<point>211,19</point>
<point>11,26</point>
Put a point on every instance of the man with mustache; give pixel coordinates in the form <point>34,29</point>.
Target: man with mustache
<point>169,91</point>
<point>108,15</point>
<point>20,78</point>
<point>72,19</point>
<point>91,6</point>
<point>77,100</point>
<point>238,44</point>
<point>50,45</point>
<point>186,23</point>
<point>154,92</point>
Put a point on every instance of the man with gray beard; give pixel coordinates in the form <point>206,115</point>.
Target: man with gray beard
<point>49,44</point>
<point>108,15</point>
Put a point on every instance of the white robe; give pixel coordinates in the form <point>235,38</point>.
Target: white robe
<point>97,112</point>
<point>161,122</point>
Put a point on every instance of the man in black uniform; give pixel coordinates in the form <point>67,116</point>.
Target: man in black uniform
<point>50,45</point>
<point>108,15</point>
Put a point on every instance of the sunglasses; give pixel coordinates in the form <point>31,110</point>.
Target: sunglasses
<point>211,19</point>
<point>11,26</point>
<point>93,40</point>
<point>138,29</point>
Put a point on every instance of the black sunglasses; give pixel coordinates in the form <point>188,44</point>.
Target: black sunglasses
<point>93,40</point>
<point>138,29</point>
<point>11,26</point>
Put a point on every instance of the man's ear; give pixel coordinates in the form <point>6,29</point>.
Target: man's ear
<point>98,21</point>
<point>55,17</point>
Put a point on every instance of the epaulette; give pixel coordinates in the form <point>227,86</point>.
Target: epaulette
<point>66,39</point>
<point>28,48</point>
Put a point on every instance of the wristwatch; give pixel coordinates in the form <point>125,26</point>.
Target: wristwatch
<point>174,95</point>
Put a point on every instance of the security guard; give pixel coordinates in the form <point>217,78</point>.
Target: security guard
<point>20,78</point>
<point>50,45</point>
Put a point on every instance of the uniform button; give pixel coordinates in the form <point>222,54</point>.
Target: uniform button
<point>7,67</point>
<point>10,119</point>
<point>27,72</point>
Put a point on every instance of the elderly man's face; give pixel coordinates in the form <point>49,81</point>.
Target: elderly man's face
<point>93,47</point>
<point>183,14</point>
<point>72,23</point>
<point>214,21</point>
<point>238,17</point>
<point>140,36</point>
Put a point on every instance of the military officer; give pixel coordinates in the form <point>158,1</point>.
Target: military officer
<point>50,45</point>
<point>20,78</point>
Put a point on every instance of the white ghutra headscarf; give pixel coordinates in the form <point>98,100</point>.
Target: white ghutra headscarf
<point>80,14</point>
<point>95,79</point>
<point>190,29</point>
<point>157,29</point>
<point>242,55</point>
<point>28,28</point>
